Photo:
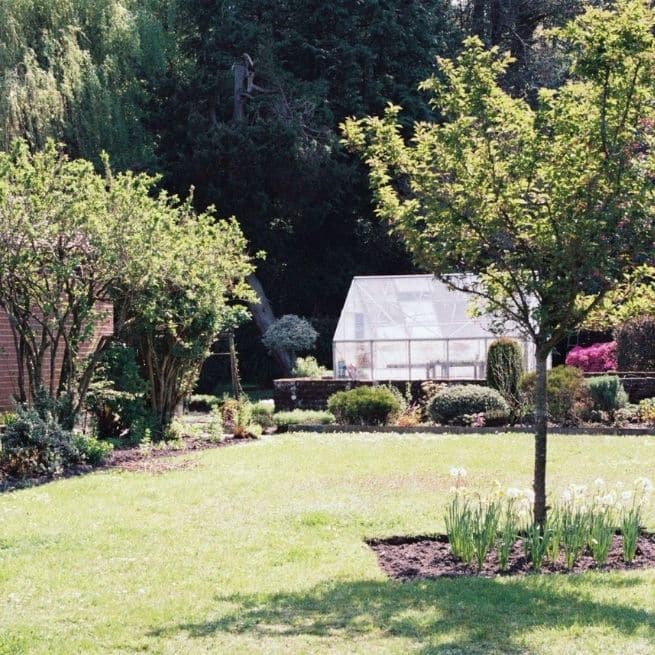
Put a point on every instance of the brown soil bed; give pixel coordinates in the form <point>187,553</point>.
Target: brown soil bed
<point>132,458</point>
<point>412,558</point>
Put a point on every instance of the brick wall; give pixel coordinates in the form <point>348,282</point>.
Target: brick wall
<point>307,393</point>
<point>9,359</point>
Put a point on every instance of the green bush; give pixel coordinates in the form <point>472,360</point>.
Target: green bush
<point>92,450</point>
<point>35,445</point>
<point>365,406</point>
<point>607,393</point>
<point>308,367</point>
<point>505,368</point>
<point>262,413</point>
<point>302,417</point>
<point>454,402</point>
<point>568,396</point>
<point>635,344</point>
<point>203,403</point>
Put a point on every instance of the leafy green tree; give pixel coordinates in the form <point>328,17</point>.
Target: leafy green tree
<point>71,239</point>
<point>549,207</point>
<point>80,71</point>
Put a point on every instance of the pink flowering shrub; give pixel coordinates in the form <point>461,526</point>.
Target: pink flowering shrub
<point>596,358</point>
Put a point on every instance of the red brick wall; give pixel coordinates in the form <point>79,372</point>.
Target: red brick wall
<point>9,359</point>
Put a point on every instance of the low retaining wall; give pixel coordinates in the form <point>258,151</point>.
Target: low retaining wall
<point>310,393</point>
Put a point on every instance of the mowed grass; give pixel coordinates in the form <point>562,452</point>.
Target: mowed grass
<point>259,549</point>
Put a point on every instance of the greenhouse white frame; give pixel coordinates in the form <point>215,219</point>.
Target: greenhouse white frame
<point>413,327</point>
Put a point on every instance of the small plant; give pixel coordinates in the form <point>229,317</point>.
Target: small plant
<point>555,539</point>
<point>237,416</point>
<point>457,403</point>
<point>574,531</point>
<point>459,528</point>
<point>484,525</point>
<point>508,530</point>
<point>308,367</point>
<point>302,417</point>
<point>631,516</point>
<point>601,533</point>
<point>535,544</point>
<point>365,406</point>
<point>92,450</point>
<point>647,410</point>
<point>262,413</point>
<point>215,432</point>
<point>607,393</point>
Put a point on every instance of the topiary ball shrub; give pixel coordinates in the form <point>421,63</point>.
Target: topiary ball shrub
<point>568,396</point>
<point>505,368</point>
<point>365,406</point>
<point>455,402</point>
<point>597,358</point>
<point>635,345</point>
<point>291,333</point>
<point>607,393</point>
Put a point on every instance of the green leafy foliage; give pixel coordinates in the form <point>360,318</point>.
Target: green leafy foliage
<point>308,367</point>
<point>364,406</point>
<point>34,444</point>
<point>635,344</point>
<point>302,417</point>
<point>568,394</point>
<point>459,400</point>
<point>92,450</point>
<point>291,333</point>
<point>504,369</point>
<point>607,393</point>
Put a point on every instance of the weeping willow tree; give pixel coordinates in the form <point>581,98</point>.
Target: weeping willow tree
<point>79,71</point>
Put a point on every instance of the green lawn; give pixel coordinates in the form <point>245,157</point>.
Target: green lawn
<point>258,549</point>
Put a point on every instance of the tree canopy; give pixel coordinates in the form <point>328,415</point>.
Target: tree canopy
<point>548,207</point>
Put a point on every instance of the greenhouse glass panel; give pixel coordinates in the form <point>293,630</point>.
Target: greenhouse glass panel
<point>413,327</point>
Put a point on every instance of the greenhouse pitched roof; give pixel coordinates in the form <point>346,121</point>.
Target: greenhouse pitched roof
<point>408,307</point>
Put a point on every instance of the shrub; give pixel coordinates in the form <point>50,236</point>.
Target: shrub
<point>237,416</point>
<point>365,406</point>
<point>597,358</point>
<point>308,367</point>
<point>203,403</point>
<point>607,393</point>
<point>302,417</point>
<point>262,413</point>
<point>505,368</point>
<point>647,410</point>
<point>456,402</point>
<point>34,445</point>
<point>215,432</point>
<point>628,414</point>
<point>568,396</point>
<point>291,333</point>
<point>92,450</point>
<point>635,345</point>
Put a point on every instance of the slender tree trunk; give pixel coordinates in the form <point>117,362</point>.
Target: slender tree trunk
<point>540,438</point>
<point>263,315</point>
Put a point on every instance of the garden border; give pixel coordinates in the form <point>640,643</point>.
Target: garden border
<point>457,429</point>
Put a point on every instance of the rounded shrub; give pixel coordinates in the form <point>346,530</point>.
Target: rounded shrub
<point>456,402</point>
<point>607,393</point>
<point>505,368</point>
<point>635,344</point>
<point>568,396</point>
<point>292,333</point>
<point>365,406</point>
<point>597,358</point>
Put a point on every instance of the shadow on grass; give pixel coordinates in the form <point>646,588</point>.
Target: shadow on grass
<point>442,616</point>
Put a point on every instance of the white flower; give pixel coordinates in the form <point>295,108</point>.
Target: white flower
<point>599,482</point>
<point>626,496</point>
<point>457,472</point>
<point>645,484</point>
<point>567,495</point>
<point>514,492</point>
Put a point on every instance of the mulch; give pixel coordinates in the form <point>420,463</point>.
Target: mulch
<point>415,558</point>
<point>133,458</point>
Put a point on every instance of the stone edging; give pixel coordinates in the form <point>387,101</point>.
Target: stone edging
<point>433,429</point>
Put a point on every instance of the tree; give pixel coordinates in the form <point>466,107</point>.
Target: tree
<point>548,207</point>
<point>71,239</point>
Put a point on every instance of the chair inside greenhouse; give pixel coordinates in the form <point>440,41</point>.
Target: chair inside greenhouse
<point>413,327</point>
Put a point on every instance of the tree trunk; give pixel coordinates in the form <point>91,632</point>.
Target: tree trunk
<point>540,438</point>
<point>263,315</point>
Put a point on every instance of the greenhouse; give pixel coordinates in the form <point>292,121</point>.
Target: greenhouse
<point>413,327</point>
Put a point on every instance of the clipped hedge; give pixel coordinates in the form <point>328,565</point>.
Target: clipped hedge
<point>302,417</point>
<point>505,368</point>
<point>365,406</point>
<point>456,403</point>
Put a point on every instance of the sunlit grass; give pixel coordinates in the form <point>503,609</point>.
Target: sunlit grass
<point>259,549</point>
